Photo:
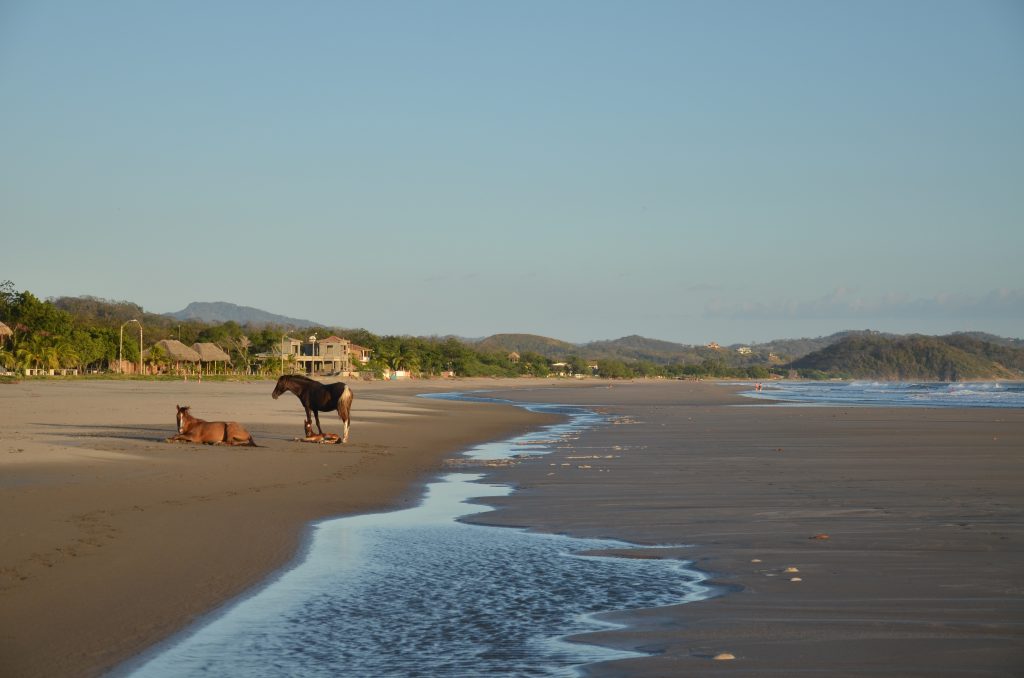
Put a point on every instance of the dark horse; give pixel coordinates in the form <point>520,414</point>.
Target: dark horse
<point>317,397</point>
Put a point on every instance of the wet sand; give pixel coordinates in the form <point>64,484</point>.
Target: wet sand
<point>922,570</point>
<point>112,539</point>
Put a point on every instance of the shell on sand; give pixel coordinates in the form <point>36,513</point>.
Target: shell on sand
<point>724,656</point>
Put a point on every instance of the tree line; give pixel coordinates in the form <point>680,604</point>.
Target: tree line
<point>85,333</point>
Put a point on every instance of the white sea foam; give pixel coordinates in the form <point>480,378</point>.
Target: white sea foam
<point>897,394</point>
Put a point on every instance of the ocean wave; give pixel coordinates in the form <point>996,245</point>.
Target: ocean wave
<point>901,394</point>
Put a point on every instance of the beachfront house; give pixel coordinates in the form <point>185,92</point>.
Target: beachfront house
<point>331,355</point>
<point>359,353</point>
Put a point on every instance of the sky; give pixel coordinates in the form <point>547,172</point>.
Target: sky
<point>690,171</point>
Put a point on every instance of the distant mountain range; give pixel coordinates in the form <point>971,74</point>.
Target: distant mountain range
<point>634,347</point>
<point>855,354</point>
<point>222,312</point>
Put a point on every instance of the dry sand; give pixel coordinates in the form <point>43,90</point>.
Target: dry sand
<point>112,539</point>
<point>922,573</point>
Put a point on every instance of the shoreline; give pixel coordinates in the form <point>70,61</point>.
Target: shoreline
<point>739,483</point>
<point>904,525</point>
<point>133,539</point>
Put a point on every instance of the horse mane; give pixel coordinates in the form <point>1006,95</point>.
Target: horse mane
<point>296,377</point>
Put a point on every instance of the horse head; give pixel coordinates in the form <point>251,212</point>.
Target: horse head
<point>180,417</point>
<point>279,389</point>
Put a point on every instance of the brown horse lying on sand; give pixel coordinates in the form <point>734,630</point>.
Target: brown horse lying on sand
<point>192,430</point>
<point>327,438</point>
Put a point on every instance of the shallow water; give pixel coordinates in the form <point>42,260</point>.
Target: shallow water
<point>895,394</point>
<point>417,593</point>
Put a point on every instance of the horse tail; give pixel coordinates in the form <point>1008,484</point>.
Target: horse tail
<point>344,410</point>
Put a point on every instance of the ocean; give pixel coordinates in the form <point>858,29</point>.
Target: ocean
<point>894,394</point>
<point>418,593</point>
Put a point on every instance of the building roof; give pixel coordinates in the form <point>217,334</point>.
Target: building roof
<point>5,331</point>
<point>178,351</point>
<point>356,348</point>
<point>210,353</point>
<point>334,339</point>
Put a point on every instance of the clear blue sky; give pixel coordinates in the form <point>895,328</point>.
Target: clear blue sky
<point>689,171</point>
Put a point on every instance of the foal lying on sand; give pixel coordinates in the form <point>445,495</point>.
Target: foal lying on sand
<point>328,438</point>
<point>193,430</point>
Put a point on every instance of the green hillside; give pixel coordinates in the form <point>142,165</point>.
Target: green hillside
<point>526,343</point>
<point>635,347</point>
<point>914,357</point>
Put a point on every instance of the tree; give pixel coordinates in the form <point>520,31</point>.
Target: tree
<point>613,369</point>
<point>38,316</point>
<point>158,357</point>
<point>578,365</point>
<point>7,358</point>
<point>67,353</point>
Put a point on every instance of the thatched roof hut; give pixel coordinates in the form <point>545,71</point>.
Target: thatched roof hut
<point>5,331</point>
<point>211,353</point>
<point>177,351</point>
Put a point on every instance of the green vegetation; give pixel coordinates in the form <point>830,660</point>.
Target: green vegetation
<point>914,357</point>
<point>83,333</point>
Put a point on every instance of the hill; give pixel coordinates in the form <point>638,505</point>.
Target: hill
<point>525,343</point>
<point>90,310</point>
<point>792,349</point>
<point>635,348</point>
<point>914,357</point>
<point>222,312</point>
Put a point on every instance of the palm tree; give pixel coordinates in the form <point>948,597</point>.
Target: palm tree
<point>30,352</point>
<point>50,355</point>
<point>7,358</point>
<point>67,354</point>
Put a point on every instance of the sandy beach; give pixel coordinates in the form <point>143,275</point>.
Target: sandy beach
<point>113,539</point>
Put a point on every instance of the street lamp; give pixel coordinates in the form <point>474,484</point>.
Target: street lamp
<point>120,343</point>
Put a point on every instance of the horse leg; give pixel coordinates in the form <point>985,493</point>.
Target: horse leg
<point>309,419</point>
<point>317,416</point>
<point>344,410</point>
<point>237,435</point>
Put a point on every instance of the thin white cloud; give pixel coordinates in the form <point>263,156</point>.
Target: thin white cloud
<point>844,303</point>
